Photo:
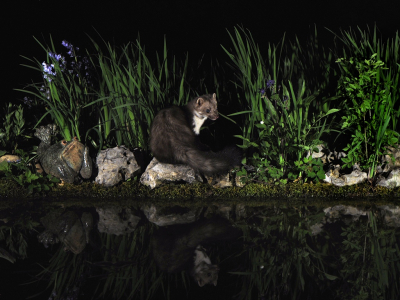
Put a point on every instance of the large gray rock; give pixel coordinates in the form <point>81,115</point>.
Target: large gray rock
<point>158,173</point>
<point>392,181</point>
<point>355,177</point>
<point>115,165</point>
<point>326,155</point>
<point>392,158</point>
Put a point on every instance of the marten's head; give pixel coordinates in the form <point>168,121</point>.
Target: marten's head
<point>206,107</point>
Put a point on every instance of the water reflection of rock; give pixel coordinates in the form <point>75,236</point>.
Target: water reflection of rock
<point>117,220</point>
<point>73,228</point>
<point>68,228</point>
<point>347,214</point>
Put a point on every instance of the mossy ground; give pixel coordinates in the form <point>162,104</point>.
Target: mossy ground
<point>89,194</point>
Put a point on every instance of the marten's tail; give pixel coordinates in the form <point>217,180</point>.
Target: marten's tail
<point>212,163</point>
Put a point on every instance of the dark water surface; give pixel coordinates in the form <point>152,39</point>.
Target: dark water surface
<point>263,251</point>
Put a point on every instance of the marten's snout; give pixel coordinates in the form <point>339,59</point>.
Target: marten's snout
<point>214,116</point>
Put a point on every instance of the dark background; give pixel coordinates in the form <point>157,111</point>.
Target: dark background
<point>190,26</point>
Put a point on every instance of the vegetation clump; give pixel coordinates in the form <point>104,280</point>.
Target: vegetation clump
<point>283,103</point>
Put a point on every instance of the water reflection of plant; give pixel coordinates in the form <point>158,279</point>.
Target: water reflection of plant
<point>114,267</point>
<point>369,261</point>
<point>281,257</point>
<point>13,237</point>
<point>284,260</point>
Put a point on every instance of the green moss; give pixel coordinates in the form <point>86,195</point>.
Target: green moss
<point>88,193</point>
<point>11,189</point>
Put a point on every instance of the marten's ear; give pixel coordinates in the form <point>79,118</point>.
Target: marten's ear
<point>215,96</point>
<point>199,101</point>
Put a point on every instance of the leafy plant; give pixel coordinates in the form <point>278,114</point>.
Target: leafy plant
<point>311,167</point>
<point>23,173</point>
<point>13,126</point>
<point>281,120</point>
<point>369,109</point>
<point>66,88</point>
<point>261,170</point>
<point>288,132</point>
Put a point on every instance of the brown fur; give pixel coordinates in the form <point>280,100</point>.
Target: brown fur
<point>173,137</point>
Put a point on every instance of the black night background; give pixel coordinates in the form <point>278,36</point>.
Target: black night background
<point>196,27</point>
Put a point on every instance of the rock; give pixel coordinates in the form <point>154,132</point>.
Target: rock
<point>390,164</point>
<point>65,159</point>
<point>322,153</point>
<point>115,165</point>
<point>223,181</point>
<point>163,216</point>
<point>355,177</point>
<point>117,220</point>
<point>326,155</point>
<point>10,158</point>
<point>392,181</point>
<point>158,173</point>
<point>333,174</point>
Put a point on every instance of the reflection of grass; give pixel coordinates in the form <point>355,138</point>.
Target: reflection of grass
<point>122,268</point>
<point>283,260</point>
<point>13,237</point>
<point>280,260</point>
<point>370,260</point>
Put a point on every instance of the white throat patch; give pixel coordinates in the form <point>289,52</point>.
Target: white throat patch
<point>201,256</point>
<point>197,123</point>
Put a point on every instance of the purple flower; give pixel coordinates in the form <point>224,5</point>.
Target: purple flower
<point>70,47</point>
<point>262,91</point>
<point>28,101</point>
<point>60,59</point>
<point>270,83</point>
<point>48,70</point>
<point>56,56</point>
<point>45,92</point>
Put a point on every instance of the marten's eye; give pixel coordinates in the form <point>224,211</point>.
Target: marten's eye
<point>208,110</point>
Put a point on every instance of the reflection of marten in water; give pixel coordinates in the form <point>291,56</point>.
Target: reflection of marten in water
<point>180,248</point>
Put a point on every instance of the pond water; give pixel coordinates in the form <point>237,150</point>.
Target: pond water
<point>278,250</point>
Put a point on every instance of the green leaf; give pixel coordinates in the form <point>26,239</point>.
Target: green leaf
<point>330,277</point>
<point>321,174</point>
<point>311,174</point>
<point>331,111</point>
